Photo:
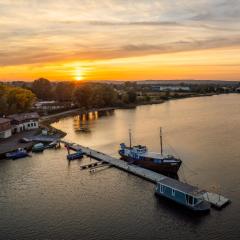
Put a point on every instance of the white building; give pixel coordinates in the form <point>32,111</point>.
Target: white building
<point>171,88</point>
<point>49,105</point>
<point>24,121</point>
<point>5,128</point>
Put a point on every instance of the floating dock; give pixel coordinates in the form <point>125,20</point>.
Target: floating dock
<point>93,165</point>
<point>214,199</point>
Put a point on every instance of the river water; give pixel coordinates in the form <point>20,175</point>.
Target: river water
<point>46,197</point>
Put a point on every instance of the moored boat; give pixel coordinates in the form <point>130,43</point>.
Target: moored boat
<point>83,130</point>
<point>184,194</point>
<point>19,153</point>
<point>158,162</point>
<point>77,155</point>
<point>39,147</point>
<point>52,144</point>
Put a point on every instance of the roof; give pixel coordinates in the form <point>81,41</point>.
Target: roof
<point>4,120</point>
<point>24,116</point>
<point>183,187</point>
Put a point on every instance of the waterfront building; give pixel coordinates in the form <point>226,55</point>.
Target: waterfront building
<point>51,105</point>
<point>24,121</point>
<point>170,88</point>
<point>5,128</point>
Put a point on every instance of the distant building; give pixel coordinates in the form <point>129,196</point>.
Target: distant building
<point>5,128</point>
<point>49,105</point>
<point>170,88</point>
<point>24,121</point>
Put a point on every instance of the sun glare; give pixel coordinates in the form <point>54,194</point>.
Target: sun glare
<point>78,74</point>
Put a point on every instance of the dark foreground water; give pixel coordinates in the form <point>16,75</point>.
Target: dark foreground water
<point>45,197</point>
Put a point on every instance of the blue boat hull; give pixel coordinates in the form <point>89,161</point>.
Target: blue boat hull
<point>201,208</point>
<point>15,156</point>
<point>36,150</point>
<point>74,156</point>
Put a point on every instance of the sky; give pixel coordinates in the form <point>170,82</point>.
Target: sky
<point>119,39</point>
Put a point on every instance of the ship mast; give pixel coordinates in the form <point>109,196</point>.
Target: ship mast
<point>130,138</point>
<point>161,145</point>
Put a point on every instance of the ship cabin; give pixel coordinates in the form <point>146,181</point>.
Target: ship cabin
<point>182,193</point>
<point>135,151</point>
<point>139,149</point>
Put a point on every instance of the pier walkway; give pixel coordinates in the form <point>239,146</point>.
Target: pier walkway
<point>214,199</point>
<point>139,171</point>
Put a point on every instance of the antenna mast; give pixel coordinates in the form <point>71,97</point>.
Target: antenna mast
<point>130,138</point>
<point>161,145</point>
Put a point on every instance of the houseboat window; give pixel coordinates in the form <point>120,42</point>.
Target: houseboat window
<point>161,188</point>
<point>173,192</point>
<point>190,200</point>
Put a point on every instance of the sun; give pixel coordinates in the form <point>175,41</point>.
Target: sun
<point>78,75</point>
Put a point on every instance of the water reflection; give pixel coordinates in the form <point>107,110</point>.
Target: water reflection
<point>178,211</point>
<point>82,122</point>
<point>43,197</point>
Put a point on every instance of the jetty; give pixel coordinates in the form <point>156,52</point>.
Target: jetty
<point>93,165</point>
<point>214,199</point>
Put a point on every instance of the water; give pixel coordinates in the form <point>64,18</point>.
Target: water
<point>44,197</point>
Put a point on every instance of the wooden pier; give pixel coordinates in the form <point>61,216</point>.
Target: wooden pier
<point>214,199</point>
<point>93,165</point>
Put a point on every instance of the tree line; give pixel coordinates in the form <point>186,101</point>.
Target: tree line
<point>15,99</point>
<point>85,95</point>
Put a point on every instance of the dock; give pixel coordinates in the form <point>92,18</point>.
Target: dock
<point>214,199</point>
<point>93,165</point>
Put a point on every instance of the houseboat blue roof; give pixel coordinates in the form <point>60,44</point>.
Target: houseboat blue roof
<point>183,187</point>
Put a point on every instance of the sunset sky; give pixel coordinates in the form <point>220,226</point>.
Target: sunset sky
<point>119,39</point>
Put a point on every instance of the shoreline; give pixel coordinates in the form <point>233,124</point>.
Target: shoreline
<point>46,121</point>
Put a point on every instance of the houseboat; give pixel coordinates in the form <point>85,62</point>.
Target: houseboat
<point>182,193</point>
<point>158,162</point>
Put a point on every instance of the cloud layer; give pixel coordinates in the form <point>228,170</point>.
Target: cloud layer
<point>33,31</point>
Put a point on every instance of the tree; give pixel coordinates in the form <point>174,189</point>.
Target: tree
<point>132,96</point>
<point>43,89</point>
<point>95,95</point>
<point>103,95</point>
<point>64,91</point>
<point>130,85</point>
<point>3,104</point>
<point>82,96</point>
<point>15,99</point>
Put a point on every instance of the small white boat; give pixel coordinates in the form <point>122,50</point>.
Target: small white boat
<point>39,147</point>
